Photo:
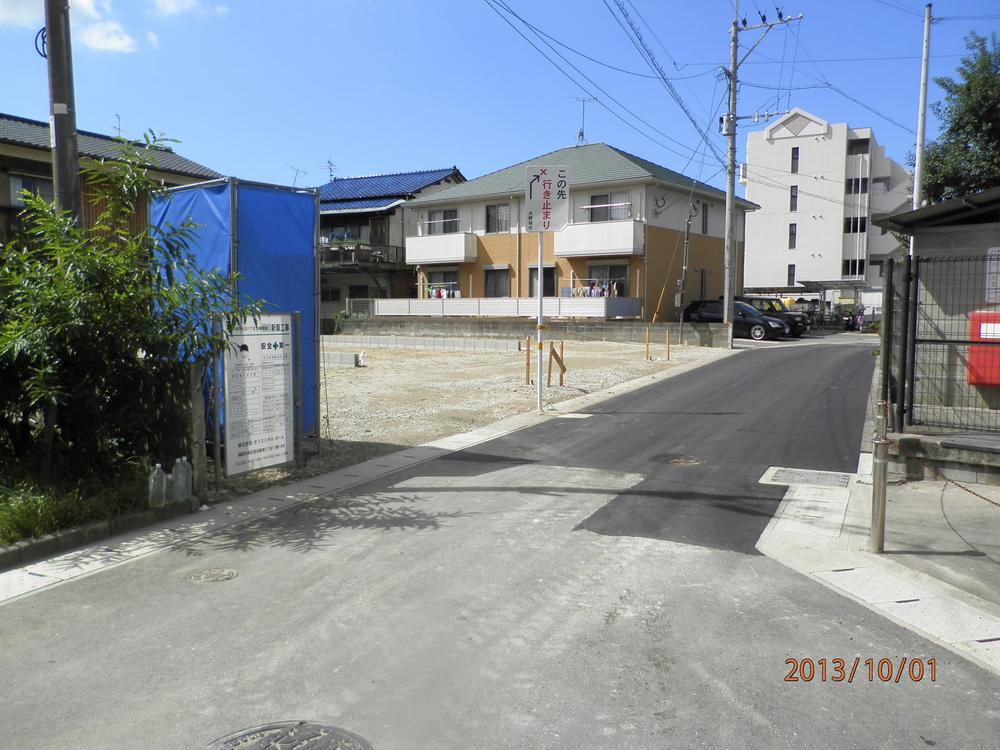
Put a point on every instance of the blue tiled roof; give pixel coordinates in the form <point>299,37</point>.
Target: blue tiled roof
<point>399,185</point>
<point>364,204</point>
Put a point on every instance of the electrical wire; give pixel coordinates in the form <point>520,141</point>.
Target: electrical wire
<point>637,41</point>
<point>499,5</point>
<point>601,63</point>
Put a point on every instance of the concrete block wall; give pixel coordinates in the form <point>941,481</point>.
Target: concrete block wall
<point>695,334</point>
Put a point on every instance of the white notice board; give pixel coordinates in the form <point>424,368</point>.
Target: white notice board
<point>546,197</point>
<point>259,395</point>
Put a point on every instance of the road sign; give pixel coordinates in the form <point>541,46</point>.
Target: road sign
<point>546,197</point>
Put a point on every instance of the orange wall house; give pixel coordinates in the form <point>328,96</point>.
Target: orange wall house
<point>626,231</point>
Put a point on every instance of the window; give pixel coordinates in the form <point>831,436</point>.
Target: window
<point>498,220</point>
<point>791,274</point>
<point>442,221</point>
<point>610,206</point>
<point>855,224</point>
<point>617,274</point>
<point>497,282</point>
<point>793,198</point>
<point>704,217</point>
<point>795,160</point>
<point>853,267</point>
<point>793,230</point>
<point>330,295</point>
<point>37,185</point>
<point>548,282</point>
<point>857,147</point>
<point>856,185</point>
<point>442,277</point>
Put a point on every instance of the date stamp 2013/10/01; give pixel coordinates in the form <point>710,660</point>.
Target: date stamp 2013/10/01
<point>906,669</point>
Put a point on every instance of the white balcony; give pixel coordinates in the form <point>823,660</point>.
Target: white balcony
<point>626,237</point>
<point>457,247</point>
<point>503,307</point>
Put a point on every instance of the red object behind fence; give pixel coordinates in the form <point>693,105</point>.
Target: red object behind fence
<point>984,361</point>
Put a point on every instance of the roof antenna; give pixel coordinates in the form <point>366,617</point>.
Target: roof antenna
<point>118,127</point>
<point>580,138</point>
<point>330,167</point>
<point>297,173</point>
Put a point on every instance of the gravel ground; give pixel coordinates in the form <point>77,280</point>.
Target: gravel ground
<point>402,398</point>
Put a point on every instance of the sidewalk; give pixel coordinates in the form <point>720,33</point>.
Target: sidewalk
<point>940,573</point>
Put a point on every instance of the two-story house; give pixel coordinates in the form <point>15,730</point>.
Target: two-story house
<point>361,235</point>
<point>26,164</point>
<point>818,185</point>
<point>624,240</point>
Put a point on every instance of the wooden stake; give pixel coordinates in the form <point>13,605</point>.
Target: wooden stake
<point>559,362</point>
<point>666,334</point>
<point>562,364</point>
<point>647,343</point>
<point>527,360</point>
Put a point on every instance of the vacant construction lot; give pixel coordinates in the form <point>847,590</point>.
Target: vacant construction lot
<point>402,397</point>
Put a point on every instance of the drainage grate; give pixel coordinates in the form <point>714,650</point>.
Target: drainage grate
<point>213,574</point>
<point>300,735</point>
<point>813,478</point>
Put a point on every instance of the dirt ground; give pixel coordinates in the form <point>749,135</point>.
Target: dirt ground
<point>402,398</point>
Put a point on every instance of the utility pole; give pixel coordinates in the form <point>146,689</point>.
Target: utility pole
<point>62,109</point>
<point>729,130</point>
<point>918,167</point>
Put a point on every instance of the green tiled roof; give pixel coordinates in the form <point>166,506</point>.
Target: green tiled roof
<point>587,165</point>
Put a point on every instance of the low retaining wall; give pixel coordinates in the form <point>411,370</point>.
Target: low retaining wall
<point>362,341</point>
<point>634,332</point>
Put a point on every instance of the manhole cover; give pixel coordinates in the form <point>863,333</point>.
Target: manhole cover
<point>213,574</point>
<point>292,735</point>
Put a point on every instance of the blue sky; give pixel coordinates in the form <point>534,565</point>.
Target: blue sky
<point>272,91</point>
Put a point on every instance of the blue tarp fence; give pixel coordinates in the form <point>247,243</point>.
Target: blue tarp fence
<point>267,234</point>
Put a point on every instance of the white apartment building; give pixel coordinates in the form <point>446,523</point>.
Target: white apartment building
<point>818,186</point>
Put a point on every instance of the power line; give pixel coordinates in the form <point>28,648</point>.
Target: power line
<point>897,7</point>
<point>498,6</point>
<point>600,62</point>
<point>639,43</point>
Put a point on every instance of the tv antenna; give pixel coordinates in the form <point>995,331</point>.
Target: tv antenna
<point>580,139</point>
<point>330,167</point>
<point>118,124</point>
<point>297,173</point>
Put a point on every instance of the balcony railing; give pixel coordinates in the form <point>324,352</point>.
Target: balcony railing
<point>456,247</point>
<point>625,237</point>
<point>504,307</point>
<point>357,254</point>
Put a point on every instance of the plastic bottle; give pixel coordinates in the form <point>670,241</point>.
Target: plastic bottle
<point>182,480</point>
<point>157,487</point>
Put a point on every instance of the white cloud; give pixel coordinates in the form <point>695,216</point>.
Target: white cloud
<point>21,13</point>
<point>154,39</point>
<point>92,9</point>
<point>107,36</point>
<point>173,7</point>
<point>221,10</point>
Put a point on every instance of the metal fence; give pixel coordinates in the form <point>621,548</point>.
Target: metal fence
<point>942,342</point>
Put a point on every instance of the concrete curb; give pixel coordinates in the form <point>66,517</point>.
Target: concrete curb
<point>928,606</point>
<point>30,550</point>
<point>248,508</point>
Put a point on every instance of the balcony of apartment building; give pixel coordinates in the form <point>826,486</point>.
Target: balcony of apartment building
<point>440,241</point>
<point>605,226</point>
<point>358,255</point>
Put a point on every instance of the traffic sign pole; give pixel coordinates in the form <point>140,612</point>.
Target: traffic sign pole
<point>546,198</point>
<point>539,288</point>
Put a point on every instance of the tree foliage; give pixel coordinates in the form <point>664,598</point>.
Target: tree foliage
<point>966,156</point>
<point>97,324</point>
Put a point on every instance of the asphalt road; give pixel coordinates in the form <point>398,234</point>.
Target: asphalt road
<point>588,582</point>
